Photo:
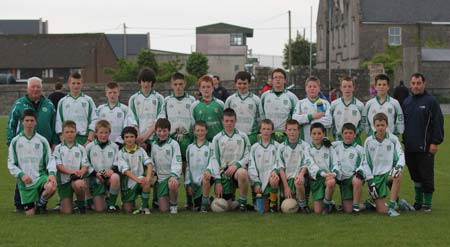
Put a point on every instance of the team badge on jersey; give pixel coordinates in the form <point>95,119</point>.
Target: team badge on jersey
<point>188,106</point>
<point>110,154</point>
<point>37,145</point>
<point>94,154</point>
<point>389,148</point>
<point>250,107</point>
<point>119,115</point>
<point>167,152</point>
<point>351,155</point>
<point>354,112</point>
<point>154,101</point>
<point>325,156</point>
<point>339,112</point>
<point>44,109</point>
<point>390,110</point>
<point>77,155</point>
<point>206,153</point>
<point>178,158</point>
<point>285,102</point>
<point>239,142</point>
<point>83,104</point>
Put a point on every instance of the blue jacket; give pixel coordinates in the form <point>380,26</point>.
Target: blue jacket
<point>424,122</point>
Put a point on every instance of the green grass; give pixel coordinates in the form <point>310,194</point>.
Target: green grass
<point>230,229</point>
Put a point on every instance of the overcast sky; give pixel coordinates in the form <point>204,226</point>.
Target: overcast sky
<point>171,24</point>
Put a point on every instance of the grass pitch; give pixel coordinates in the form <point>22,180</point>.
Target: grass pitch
<point>231,229</point>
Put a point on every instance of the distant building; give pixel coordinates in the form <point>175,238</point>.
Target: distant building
<point>54,56</point>
<point>23,27</point>
<point>362,28</point>
<point>225,46</point>
<point>135,43</point>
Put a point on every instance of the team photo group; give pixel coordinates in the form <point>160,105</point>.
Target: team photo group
<point>244,152</point>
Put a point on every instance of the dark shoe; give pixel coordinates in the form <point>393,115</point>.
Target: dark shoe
<point>273,208</point>
<point>82,210</point>
<point>243,208</point>
<point>41,209</point>
<point>304,210</point>
<point>417,206</point>
<point>426,208</point>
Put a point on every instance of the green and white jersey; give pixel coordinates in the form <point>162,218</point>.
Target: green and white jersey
<point>278,107</point>
<point>346,113</point>
<point>116,116</point>
<point>229,150</point>
<point>382,156</point>
<point>71,158</point>
<point>303,114</point>
<point>263,160</point>
<point>178,112</point>
<point>211,113</point>
<point>144,110</point>
<point>391,108</point>
<point>166,159</point>
<point>325,161</point>
<point>197,161</point>
<point>30,156</point>
<point>135,162</point>
<point>247,111</point>
<point>81,110</point>
<point>101,158</point>
<point>292,158</point>
<point>350,159</point>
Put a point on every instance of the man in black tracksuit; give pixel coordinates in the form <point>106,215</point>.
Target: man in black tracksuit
<point>424,131</point>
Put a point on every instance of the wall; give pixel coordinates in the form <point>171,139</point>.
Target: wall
<point>215,44</point>
<point>224,66</point>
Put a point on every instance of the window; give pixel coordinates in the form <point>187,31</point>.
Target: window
<point>353,31</point>
<point>236,67</point>
<point>237,39</point>
<point>321,40</point>
<point>395,36</point>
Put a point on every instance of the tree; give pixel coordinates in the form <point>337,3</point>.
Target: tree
<point>127,71</point>
<point>391,58</point>
<point>146,59</point>
<point>300,52</point>
<point>197,64</point>
<point>167,69</point>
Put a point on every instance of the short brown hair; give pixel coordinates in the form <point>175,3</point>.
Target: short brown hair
<point>201,123</point>
<point>380,117</point>
<point>102,124</point>
<point>75,75</point>
<point>162,123</point>
<point>312,78</point>
<point>69,124</point>
<point>346,78</point>
<point>268,122</point>
<point>112,85</point>
<point>206,78</point>
<point>292,122</point>
<point>381,77</point>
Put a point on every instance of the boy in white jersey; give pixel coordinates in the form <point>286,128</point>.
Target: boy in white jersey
<point>71,162</point>
<point>292,161</point>
<point>385,159</point>
<point>167,161</point>
<point>78,107</point>
<point>178,105</point>
<point>137,171</point>
<point>263,162</point>
<point>385,104</point>
<point>350,174</point>
<point>246,106</point>
<point>347,109</point>
<point>312,109</point>
<point>114,112</point>
<point>103,168</point>
<point>278,103</point>
<point>29,161</point>
<point>145,107</point>
<point>323,171</point>
<point>230,159</point>
<point>198,177</point>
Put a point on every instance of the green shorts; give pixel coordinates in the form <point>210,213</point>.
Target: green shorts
<point>381,182</point>
<point>184,143</point>
<point>267,190</point>
<point>65,190</point>
<point>253,138</point>
<point>32,193</point>
<point>346,188</point>
<point>229,184</point>
<point>97,189</point>
<point>130,195</point>
<point>291,184</point>
<point>162,188</point>
<point>318,188</point>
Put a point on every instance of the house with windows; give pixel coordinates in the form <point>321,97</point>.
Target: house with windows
<point>225,46</point>
<point>362,28</point>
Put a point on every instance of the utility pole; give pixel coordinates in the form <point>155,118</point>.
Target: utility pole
<point>350,35</point>
<point>290,49</point>
<point>330,41</point>
<point>125,52</point>
<point>310,43</point>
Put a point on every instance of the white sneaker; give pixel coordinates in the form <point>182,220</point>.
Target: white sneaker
<point>146,211</point>
<point>393,213</point>
<point>173,209</point>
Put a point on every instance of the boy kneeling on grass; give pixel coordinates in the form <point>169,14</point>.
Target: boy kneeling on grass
<point>103,168</point>
<point>30,162</point>
<point>71,162</point>
<point>137,169</point>
<point>385,158</point>
<point>168,163</point>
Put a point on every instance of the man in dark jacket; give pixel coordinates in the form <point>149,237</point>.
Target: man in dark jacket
<point>424,131</point>
<point>219,91</point>
<point>401,93</point>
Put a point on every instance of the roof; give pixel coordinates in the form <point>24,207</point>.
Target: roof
<point>135,43</point>
<point>22,26</point>
<point>405,11</point>
<point>170,53</point>
<point>435,54</point>
<point>48,50</point>
<point>220,28</point>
